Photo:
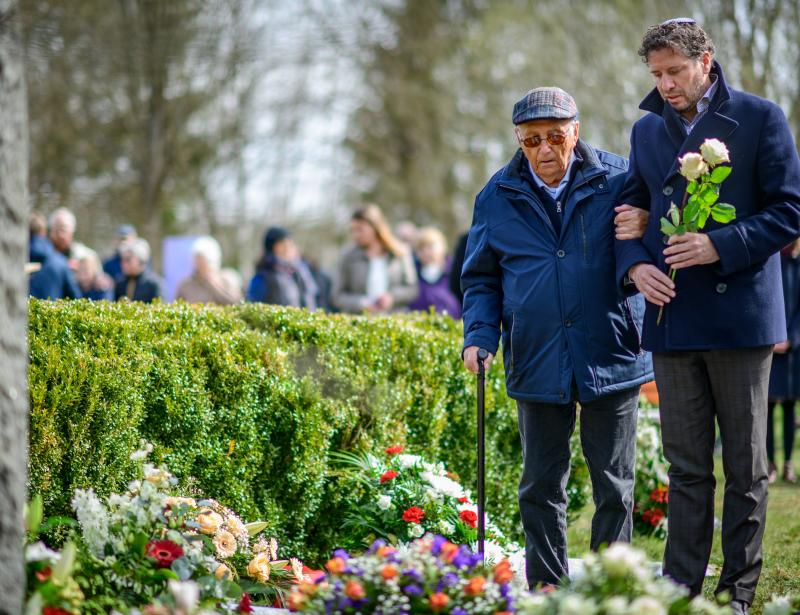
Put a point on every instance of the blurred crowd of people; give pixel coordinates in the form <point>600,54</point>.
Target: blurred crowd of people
<point>380,271</point>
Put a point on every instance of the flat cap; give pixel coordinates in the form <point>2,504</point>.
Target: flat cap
<point>544,103</point>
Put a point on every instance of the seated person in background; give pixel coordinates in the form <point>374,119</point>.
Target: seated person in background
<point>282,277</point>
<point>433,271</point>
<point>208,283</point>
<point>137,283</point>
<point>53,279</point>
<point>94,284</point>
<point>376,273</point>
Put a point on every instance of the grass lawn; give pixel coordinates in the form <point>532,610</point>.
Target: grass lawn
<point>781,572</point>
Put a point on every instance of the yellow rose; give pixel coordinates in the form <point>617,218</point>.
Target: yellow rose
<point>692,165</point>
<point>259,568</point>
<point>209,521</point>
<point>223,572</point>
<point>714,152</point>
<point>225,544</point>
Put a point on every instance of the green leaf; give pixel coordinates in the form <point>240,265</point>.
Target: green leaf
<point>674,214</point>
<point>690,212</point>
<point>667,227</point>
<point>723,213</point>
<point>709,194</point>
<point>33,514</point>
<point>681,229</point>
<point>691,188</point>
<point>703,217</point>
<point>719,174</point>
<point>255,527</point>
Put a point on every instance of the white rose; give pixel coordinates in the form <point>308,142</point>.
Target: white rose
<point>446,528</point>
<point>576,605</point>
<point>692,165</point>
<point>415,531</point>
<point>185,593</point>
<point>647,605</point>
<point>384,502</point>
<point>616,605</point>
<point>714,152</point>
<point>621,560</point>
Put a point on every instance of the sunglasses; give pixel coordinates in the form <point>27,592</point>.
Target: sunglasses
<point>552,138</point>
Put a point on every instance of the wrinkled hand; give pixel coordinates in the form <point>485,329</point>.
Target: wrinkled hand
<point>690,249</point>
<point>630,222</point>
<point>654,284</point>
<point>781,347</point>
<point>471,359</point>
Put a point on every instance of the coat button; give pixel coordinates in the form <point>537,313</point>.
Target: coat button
<point>722,287</point>
<point>567,323</point>
<point>561,254</point>
<point>665,240</point>
<point>561,394</point>
<point>667,190</point>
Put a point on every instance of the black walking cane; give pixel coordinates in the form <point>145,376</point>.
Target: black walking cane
<point>482,356</point>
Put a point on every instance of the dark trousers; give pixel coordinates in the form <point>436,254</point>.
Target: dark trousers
<point>608,438</point>
<point>695,388</point>
<point>788,429</point>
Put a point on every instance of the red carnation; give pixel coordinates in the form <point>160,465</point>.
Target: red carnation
<point>464,500</point>
<point>164,552</point>
<point>54,610</point>
<point>653,516</point>
<point>469,517</point>
<point>394,450</point>
<point>387,476</point>
<point>245,604</point>
<point>413,515</point>
<point>660,495</point>
<point>44,574</point>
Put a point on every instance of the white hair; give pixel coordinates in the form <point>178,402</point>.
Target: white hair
<point>139,248</point>
<point>63,215</point>
<point>209,249</point>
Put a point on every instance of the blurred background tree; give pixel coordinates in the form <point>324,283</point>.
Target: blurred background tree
<point>226,116</point>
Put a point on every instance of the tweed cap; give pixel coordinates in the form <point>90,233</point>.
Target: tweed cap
<point>544,103</point>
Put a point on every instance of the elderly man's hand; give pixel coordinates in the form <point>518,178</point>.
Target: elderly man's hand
<point>654,284</point>
<point>690,249</point>
<point>630,222</point>
<point>471,359</point>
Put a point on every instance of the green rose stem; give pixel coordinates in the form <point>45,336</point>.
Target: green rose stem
<point>672,272</point>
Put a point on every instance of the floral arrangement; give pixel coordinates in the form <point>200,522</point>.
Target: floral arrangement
<point>618,580</point>
<point>406,497</point>
<point>431,575</point>
<point>141,548</point>
<point>650,492</point>
<point>782,605</point>
<point>704,173</point>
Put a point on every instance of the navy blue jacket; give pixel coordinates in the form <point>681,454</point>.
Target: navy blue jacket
<point>736,302</point>
<point>553,298</point>
<point>784,379</point>
<point>55,279</point>
<point>147,289</point>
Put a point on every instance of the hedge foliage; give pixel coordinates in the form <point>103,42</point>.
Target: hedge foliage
<point>246,403</point>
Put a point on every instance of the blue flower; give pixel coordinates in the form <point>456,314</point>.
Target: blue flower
<point>413,590</point>
<point>341,553</point>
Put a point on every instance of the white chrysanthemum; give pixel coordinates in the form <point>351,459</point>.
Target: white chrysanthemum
<point>615,605</point>
<point>416,530</point>
<point>408,461</point>
<point>384,502</point>
<point>574,604</point>
<point>186,594</point>
<point>621,560</point>
<point>93,518</point>
<point>778,605</point>
<point>38,552</point>
<point>443,484</point>
<point>446,528</point>
<point>647,605</point>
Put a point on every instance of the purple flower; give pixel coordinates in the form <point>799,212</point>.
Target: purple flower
<point>436,546</point>
<point>413,590</point>
<point>377,545</point>
<point>341,553</point>
<point>412,574</point>
<point>450,579</point>
<point>458,611</point>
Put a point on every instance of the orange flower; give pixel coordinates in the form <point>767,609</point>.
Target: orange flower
<point>296,601</point>
<point>503,573</point>
<point>438,601</point>
<point>449,551</point>
<point>354,590</point>
<point>386,550</point>
<point>336,565</point>
<point>475,586</point>
<point>388,572</point>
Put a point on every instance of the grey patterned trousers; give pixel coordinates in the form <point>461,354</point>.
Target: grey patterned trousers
<point>695,388</point>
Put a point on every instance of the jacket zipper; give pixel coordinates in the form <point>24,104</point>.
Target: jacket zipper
<point>585,243</point>
<point>511,340</point>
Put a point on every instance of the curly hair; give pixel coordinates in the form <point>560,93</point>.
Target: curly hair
<point>685,36</point>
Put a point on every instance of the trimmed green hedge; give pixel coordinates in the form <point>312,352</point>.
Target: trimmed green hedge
<point>245,404</point>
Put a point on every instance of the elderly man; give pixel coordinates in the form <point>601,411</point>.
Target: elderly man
<point>138,282</point>
<point>539,272</point>
<point>62,225</point>
<point>724,312</point>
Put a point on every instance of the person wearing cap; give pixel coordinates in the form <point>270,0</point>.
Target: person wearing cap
<point>138,282</point>
<point>724,312</point>
<point>539,274</point>
<point>113,265</point>
<point>282,277</point>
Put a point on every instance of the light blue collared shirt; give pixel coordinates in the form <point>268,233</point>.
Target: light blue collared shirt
<point>554,192</point>
<point>702,106</point>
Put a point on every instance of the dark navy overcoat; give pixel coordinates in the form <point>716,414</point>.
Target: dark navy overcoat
<point>736,302</point>
<point>784,379</point>
<point>553,297</point>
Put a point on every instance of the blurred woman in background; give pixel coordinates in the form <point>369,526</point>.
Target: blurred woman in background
<point>433,269</point>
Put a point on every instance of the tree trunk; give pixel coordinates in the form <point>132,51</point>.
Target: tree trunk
<point>13,310</point>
